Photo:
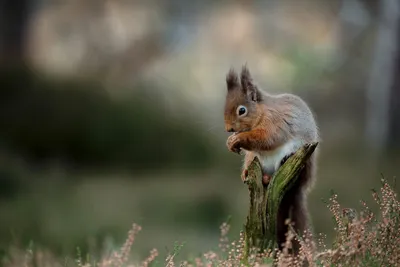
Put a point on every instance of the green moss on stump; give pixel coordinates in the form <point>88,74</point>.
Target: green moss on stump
<point>260,227</point>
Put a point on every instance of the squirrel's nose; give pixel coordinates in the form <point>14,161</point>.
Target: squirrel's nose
<point>230,130</point>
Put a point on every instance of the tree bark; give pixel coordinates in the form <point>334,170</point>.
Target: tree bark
<point>260,229</point>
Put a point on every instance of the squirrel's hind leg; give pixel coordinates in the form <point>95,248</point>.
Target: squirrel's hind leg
<point>248,159</point>
<point>266,178</point>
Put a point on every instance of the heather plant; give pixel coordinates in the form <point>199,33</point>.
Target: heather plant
<point>362,239</point>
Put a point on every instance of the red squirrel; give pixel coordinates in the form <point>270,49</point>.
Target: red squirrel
<point>271,127</point>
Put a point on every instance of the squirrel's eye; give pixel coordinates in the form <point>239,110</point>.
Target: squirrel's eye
<point>241,110</point>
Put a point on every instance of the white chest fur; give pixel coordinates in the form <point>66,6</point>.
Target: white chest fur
<point>270,160</point>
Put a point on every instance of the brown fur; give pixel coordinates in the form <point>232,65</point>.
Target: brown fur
<point>270,123</point>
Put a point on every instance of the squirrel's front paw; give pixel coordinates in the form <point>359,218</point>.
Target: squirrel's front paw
<point>233,143</point>
<point>266,179</point>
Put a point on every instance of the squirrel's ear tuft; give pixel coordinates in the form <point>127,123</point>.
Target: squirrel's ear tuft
<point>232,79</point>
<point>245,78</point>
<point>248,86</point>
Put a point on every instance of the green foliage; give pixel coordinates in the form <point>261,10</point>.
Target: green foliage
<point>78,123</point>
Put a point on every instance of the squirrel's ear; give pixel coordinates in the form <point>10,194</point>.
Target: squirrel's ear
<point>232,79</point>
<point>248,86</point>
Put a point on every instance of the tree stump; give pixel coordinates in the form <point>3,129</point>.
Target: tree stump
<point>260,228</point>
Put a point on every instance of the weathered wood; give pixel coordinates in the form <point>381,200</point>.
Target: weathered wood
<point>260,228</point>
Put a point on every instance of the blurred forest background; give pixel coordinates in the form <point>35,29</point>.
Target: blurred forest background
<point>111,112</point>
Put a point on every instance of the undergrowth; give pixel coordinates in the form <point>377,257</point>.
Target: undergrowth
<point>362,239</point>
